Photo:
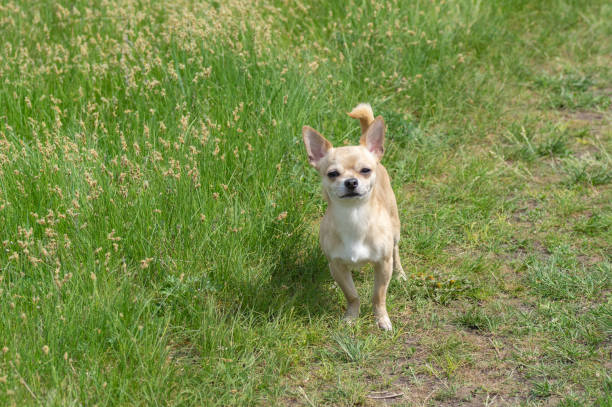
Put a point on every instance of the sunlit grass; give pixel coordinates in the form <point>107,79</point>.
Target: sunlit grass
<point>158,219</point>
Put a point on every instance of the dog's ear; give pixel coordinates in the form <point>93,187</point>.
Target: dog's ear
<point>375,137</point>
<point>317,146</point>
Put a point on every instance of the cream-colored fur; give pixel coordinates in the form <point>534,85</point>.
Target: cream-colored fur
<point>361,224</point>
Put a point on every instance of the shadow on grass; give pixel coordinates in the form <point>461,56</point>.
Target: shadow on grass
<point>297,282</point>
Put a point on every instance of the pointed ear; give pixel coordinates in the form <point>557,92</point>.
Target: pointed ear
<point>375,137</point>
<point>317,146</point>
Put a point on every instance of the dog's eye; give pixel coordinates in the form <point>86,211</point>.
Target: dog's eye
<point>333,174</point>
<point>365,170</point>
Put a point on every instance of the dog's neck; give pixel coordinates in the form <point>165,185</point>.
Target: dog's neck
<point>351,220</point>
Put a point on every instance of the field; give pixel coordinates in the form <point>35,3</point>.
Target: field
<point>158,217</point>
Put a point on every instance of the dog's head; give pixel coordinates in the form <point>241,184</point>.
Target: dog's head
<point>348,174</point>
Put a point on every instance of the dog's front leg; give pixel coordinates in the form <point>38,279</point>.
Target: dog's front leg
<point>382,275</point>
<point>343,276</point>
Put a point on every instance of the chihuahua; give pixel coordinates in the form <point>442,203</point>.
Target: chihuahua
<point>361,224</point>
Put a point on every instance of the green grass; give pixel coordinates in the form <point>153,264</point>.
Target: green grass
<point>158,218</point>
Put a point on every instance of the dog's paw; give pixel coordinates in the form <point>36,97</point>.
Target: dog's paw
<point>350,318</point>
<point>401,276</point>
<point>352,311</point>
<point>384,323</point>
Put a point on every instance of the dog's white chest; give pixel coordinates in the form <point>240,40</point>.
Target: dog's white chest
<point>353,251</point>
<point>352,247</point>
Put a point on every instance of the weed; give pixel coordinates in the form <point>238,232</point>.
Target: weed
<point>351,349</point>
<point>477,318</point>
<point>542,389</point>
<point>588,169</point>
<point>440,288</point>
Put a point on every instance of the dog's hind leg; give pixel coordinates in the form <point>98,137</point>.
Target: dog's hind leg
<point>398,270</point>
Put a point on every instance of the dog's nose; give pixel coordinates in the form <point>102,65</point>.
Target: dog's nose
<point>351,183</point>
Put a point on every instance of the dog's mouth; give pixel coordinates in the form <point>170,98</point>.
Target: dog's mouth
<point>351,194</point>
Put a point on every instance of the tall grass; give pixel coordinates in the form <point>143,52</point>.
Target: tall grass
<point>157,217</point>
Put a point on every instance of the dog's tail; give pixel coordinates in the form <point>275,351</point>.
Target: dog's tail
<point>364,113</point>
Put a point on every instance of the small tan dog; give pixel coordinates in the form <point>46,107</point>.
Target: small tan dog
<point>361,224</point>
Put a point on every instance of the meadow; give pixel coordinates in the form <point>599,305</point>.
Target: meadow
<point>158,217</point>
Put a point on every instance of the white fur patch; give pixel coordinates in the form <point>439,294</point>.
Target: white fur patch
<point>352,226</point>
